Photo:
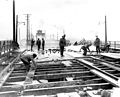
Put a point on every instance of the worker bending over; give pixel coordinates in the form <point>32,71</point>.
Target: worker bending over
<point>26,59</point>
<point>85,48</point>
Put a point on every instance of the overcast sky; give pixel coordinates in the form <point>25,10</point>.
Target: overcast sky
<point>77,18</point>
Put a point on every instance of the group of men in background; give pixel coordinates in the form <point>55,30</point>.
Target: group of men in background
<point>39,44</point>
<point>62,43</point>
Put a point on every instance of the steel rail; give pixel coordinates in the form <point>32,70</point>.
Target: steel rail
<point>100,72</point>
<point>8,70</point>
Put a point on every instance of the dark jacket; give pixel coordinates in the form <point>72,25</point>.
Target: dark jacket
<point>43,42</point>
<point>62,42</point>
<point>32,42</point>
<point>38,42</point>
<point>84,48</point>
<point>97,42</point>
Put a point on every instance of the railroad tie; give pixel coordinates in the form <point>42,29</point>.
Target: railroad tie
<point>29,77</point>
<point>67,63</point>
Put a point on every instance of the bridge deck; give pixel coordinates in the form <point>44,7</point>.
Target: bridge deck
<point>111,55</point>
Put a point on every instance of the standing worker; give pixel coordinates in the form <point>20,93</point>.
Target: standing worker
<point>62,44</point>
<point>43,44</point>
<point>32,44</point>
<point>97,44</point>
<point>26,59</point>
<point>38,43</point>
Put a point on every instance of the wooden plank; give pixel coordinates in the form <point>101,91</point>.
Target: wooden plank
<point>111,80</point>
<point>48,76</point>
<point>111,55</point>
<point>95,68</point>
<point>74,54</point>
<point>30,96</point>
<point>73,94</point>
<point>38,89</point>
<point>67,63</point>
<point>42,96</point>
<point>30,75</point>
<point>69,78</point>
<point>92,94</point>
<point>62,95</point>
<point>5,76</point>
<point>43,81</point>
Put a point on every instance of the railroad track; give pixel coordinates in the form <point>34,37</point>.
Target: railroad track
<point>111,68</point>
<point>66,75</point>
<point>8,58</point>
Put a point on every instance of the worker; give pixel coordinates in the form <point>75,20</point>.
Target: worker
<point>97,44</point>
<point>62,44</point>
<point>26,59</point>
<point>85,48</point>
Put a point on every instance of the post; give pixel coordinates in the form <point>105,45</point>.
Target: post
<point>19,35</point>
<point>16,39</point>
<point>28,32</point>
<point>13,20</point>
<point>105,32</point>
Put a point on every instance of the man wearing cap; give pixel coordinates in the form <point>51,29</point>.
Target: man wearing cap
<point>62,44</point>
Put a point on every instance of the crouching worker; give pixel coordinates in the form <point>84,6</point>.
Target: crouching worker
<point>85,48</point>
<point>26,59</point>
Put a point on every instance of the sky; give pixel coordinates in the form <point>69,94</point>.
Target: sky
<point>78,19</point>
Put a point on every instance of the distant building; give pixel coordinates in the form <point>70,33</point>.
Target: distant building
<point>40,34</point>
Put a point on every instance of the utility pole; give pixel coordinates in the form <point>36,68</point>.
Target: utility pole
<point>17,26</point>
<point>105,32</point>
<point>16,39</point>
<point>14,35</point>
<point>19,36</point>
<point>28,31</point>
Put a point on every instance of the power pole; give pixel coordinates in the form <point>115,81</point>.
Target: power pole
<point>105,31</point>
<point>14,35</point>
<point>16,39</point>
<point>28,31</point>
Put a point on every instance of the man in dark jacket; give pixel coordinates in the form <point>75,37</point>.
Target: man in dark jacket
<point>43,44</point>
<point>97,44</point>
<point>32,44</point>
<point>38,43</point>
<point>62,44</point>
<point>85,48</point>
<point>26,59</point>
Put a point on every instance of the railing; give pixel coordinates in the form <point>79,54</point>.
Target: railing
<point>5,46</point>
<point>113,44</point>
